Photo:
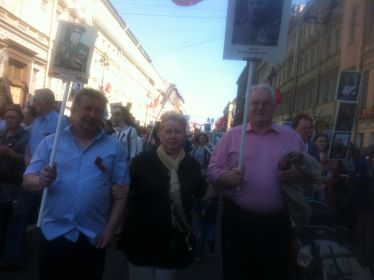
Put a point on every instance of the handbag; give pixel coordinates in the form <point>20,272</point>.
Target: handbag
<point>182,246</point>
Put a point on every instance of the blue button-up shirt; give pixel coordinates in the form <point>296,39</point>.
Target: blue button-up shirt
<point>79,200</point>
<point>42,127</point>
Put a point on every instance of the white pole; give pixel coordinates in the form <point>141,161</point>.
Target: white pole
<point>248,92</point>
<point>54,148</point>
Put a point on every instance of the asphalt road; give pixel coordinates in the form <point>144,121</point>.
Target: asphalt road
<point>116,265</point>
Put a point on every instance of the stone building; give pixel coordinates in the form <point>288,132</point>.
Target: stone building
<point>324,38</point>
<point>120,66</point>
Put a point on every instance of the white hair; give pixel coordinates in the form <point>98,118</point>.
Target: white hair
<point>266,88</point>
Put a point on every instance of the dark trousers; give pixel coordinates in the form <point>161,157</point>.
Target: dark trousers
<point>15,243</point>
<point>5,216</point>
<point>254,246</point>
<point>61,259</point>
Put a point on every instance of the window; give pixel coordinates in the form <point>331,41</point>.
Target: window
<point>332,89</point>
<point>44,5</point>
<point>359,140</point>
<point>370,22</point>
<point>313,57</point>
<point>16,70</point>
<point>365,88</point>
<point>327,46</point>
<point>324,92</point>
<point>352,27</point>
<point>337,40</point>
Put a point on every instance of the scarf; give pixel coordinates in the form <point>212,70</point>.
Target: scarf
<point>177,213</point>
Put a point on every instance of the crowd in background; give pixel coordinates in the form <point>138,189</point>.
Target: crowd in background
<point>346,186</point>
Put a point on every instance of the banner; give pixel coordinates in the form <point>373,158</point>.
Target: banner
<point>256,30</point>
<point>72,51</point>
<point>186,2</point>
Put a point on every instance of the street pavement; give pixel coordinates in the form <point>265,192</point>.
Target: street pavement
<point>116,265</point>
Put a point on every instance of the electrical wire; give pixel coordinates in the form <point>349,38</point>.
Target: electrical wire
<point>171,16</point>
<point>157,53</point>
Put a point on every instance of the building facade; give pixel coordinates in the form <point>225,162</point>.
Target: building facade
<point>120,66</point>
<point>326,37</point>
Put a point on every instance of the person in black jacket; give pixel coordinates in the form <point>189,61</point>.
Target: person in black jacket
<point>157,234</point>
<point>303,124</point>
<point>13,142</point>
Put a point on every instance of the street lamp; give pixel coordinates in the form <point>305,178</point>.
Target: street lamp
<point>105,62</point>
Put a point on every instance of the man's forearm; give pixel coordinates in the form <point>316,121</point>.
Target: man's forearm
<point>116,214</point>
<point>32,183</point>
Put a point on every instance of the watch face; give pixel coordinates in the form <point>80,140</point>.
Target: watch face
<point>10,143</point>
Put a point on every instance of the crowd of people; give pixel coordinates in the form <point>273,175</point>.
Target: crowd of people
<point>154,194</point>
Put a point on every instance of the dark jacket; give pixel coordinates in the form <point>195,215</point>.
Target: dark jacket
<point>310,168</point>
<point>148,228</point>
<point>11,170</point>
<point>313,150</point>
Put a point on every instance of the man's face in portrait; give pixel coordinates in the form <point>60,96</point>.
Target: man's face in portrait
<point>75,37</point>
<point>256,8</point>
<point>349,80</point>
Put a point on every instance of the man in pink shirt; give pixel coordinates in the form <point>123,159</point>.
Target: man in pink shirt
<point>255,223</point>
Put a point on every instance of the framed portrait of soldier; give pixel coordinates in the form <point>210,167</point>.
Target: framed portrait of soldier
<point>345,117</point>
<point>72,51</point>
<point>339,145</point>
<point>256,29</point>
<point>348,86</point>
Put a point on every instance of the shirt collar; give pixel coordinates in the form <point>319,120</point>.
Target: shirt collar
<point>101,133</point>
<point>48,116</point>
<point>274,127</point>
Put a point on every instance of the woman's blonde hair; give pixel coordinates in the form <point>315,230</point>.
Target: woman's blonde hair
<point>173,116</point>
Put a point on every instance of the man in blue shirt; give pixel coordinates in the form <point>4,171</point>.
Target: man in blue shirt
<point>27,203</point>
<point>46,123</point>
<point>83,206</point>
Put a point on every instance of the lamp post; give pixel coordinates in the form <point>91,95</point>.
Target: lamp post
<point>105,62</point>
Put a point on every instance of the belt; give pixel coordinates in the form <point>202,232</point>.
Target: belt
<point>253,213</point>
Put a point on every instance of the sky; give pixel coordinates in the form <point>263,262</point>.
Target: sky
<point>185,45</point>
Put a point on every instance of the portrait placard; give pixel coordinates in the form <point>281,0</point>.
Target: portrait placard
<point>256,29</point>
<point>72,51</point>
<point>345,117</point>
<point>348,86</point>
<point>339,145</point>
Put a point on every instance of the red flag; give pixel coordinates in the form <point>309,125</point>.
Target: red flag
<point>107,88</point>
<point>186,2</point>
<point>154,103</point>
<point>278,97</point>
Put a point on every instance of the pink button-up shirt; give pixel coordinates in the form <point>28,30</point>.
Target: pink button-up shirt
<point>260,190</point>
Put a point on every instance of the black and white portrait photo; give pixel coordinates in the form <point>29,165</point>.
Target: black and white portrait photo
<point>256,29</point>
<point>72,50</point>
<point>348,88</point>
<point>257,22</point>
<point>345,117</point>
